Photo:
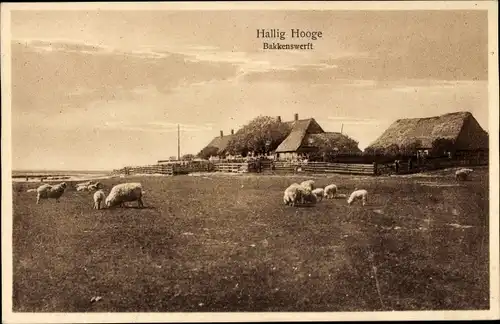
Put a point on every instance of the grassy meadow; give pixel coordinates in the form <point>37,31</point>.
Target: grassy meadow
<point>228,244</point>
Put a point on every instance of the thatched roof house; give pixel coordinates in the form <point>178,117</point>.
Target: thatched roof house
<point>461,128</point>
<point>221,141</point>
<point>307,136</point>
<point>299,129</point>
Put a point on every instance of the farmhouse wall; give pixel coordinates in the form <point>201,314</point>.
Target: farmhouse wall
<point>471,136</point>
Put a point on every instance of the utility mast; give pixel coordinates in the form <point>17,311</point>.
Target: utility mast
<point>178,142</point>
<point>342,129</point>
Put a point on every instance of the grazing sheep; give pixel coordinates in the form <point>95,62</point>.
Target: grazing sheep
<point>296,193</point>
<point>330,191</point>
<point>99,198</point>
<point>308,184</point>
<point>89,186</point>
<point>48,191</point>
<point>319,193</point>
<point>125,192</point>
<point>306,194</point>
<point>292,194</point>
<point>31,190</point>
<point>356,195</point>
<point>84,184</point>
<point>308,197</point>
<point>462,174</point>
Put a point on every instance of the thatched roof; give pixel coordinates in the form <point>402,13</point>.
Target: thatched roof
<point>452,126</point>
<point>220,142</point>
<point>341,142</point>
<point>300,128</point>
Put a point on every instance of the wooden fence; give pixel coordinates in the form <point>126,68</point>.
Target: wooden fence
<point>429,164</point>
<point>233,167</point>
<point>241,166</point>
<point>325,167</point>
<point>167,169</point>
<point>146,169</point>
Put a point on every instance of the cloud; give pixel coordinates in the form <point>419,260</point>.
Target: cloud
<point>307,73</point>
<point>154,127</point>
<point>48,75</point>
<point>429,86</point>
<point>355,121</point>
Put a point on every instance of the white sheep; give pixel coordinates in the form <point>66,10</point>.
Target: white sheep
<point>462,174</point>
<point>358,194</point>
<point>319,193</point>
<point>292,194</point>
<point>308,196</point>
<point>308,184</point>
<point>125,192</point>
<point>84,184</point>
<point>330,191</point>
<point>99,198</point>
<point>48,191</point>
<point>88,186</point>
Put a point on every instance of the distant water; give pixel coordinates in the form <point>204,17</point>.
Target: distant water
<point>57,175</point>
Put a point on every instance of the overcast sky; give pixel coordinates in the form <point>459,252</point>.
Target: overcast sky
<point>105,89</point>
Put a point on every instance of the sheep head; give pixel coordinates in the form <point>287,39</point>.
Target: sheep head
<point>109,201</point>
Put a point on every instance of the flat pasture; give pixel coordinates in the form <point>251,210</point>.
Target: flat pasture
<point>228,244</point>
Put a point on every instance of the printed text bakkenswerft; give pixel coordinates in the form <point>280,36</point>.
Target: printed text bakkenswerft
<point>295,33</point>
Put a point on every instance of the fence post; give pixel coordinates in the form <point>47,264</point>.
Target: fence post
<point>375,169</point>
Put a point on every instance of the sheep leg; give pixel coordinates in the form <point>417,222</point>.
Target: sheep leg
<point>37,199</point>
<point>139,203</point>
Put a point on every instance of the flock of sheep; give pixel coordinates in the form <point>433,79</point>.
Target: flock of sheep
<point>295,194</point>
<point>118,196</point>
<point>306,193</point>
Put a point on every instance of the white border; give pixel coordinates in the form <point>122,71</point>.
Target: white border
<point>10,317</point>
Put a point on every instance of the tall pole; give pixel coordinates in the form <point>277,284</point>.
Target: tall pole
<point>178,142</point>
<point>342,129</point>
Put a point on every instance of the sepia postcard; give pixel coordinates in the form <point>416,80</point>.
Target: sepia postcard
<point>249,161</point>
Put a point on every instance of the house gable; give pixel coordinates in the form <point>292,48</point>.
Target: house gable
<point>300,129</point>
<point>472,136</point>
<point>220,142</point>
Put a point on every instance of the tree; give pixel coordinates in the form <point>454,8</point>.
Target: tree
<point>327,147</point>
<point>261,135</point>
<point>336,145</point>
<point>442,145</point>
<point>207,152</point>
<point>187,157</point>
